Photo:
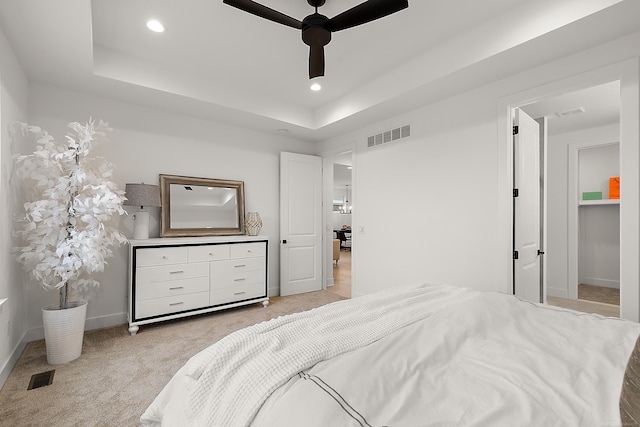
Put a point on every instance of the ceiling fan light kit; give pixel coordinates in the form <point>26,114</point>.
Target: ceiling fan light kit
<point>317,29</point>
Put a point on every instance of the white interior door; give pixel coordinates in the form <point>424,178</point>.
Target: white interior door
<point>526,208</point>
<point>300,223</point>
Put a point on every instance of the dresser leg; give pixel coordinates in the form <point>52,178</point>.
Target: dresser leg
<point>265,303</point>
<point>133,329</point>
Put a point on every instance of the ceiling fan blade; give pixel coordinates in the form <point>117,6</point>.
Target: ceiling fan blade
<point>316,62</point>
<point>265,12</point>
<point>366,12</point>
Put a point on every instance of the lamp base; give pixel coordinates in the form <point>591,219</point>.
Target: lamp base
<point>141,225</point>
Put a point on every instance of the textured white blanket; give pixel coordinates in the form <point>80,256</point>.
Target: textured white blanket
<point>419,355</point>
<point>229,381</point>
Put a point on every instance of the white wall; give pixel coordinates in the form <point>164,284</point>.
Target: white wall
<point>13,107</point>
<point>147,142</point>
<point>446,178</point>
<point>596,166</point>
<point>444,182</point>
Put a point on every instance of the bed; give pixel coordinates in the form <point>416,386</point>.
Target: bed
<point>424,355</point>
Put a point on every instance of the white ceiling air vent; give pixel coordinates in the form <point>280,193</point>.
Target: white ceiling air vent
<point>389,135</point>
<point>578,110</point>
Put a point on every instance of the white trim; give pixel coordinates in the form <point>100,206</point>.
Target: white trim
<point>12,360</point>
<point>328,158</point>
<point>605,283</point>
<point>557,292</point>
<point>573,206</point>
<point>630,190</point>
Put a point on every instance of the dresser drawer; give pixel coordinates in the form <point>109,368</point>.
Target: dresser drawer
<point>244,250</point>
<point>165,273</point>
<point>168,305</point>
<point>239,279</point>
<point>236,293</point>
<point>160,256</point>
<point>172,288</point>
<point>208,253</point>
<point>232,266</point>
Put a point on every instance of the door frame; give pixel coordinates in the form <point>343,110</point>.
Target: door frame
<point>573,210</point>
<point>328,158</point>
<point>628,73</point>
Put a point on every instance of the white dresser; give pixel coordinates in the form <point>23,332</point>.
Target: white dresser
<point>177,277</point>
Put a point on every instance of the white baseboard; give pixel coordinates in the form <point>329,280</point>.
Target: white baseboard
<point>606,283</point>
<point>558,292</point>
<point>11,362</point>
<point>91,323</point>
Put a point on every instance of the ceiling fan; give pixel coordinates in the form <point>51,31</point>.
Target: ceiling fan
<point>317,28</point>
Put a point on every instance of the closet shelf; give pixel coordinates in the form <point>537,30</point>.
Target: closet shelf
<point>599,202</point>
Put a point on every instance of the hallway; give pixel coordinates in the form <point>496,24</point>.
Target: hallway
<point>342,275</point>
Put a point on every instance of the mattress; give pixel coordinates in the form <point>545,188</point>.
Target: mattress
<point>409,356</point>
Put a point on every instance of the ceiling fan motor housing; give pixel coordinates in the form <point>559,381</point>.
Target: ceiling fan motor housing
<point>315,31</point>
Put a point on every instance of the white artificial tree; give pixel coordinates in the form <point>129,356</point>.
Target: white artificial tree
<point>66,232</point>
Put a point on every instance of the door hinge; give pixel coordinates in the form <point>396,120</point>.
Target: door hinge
<point>516,193</point>
<point>515,130</point>
<point>515,254</point>
<point>540,252</point>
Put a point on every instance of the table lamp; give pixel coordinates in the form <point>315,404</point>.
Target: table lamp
<point>141,195</point>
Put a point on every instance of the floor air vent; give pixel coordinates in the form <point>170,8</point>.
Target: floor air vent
<point>41,380</point>
<point>389,135</point>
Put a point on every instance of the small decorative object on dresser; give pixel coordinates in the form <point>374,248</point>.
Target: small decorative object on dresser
<point>170,278</point>
<point>252,223</point>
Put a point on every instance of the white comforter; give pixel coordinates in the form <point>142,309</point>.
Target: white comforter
<point>415,356</point>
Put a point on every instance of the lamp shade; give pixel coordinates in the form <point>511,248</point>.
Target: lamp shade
<point>142,195</point>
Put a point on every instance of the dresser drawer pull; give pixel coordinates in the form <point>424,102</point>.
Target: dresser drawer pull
<point>176,303</point>
<point>240,265</point>
<point>176,272</point>
<point>239,293</point>
<point>239,280</point>
<point>176,288</point>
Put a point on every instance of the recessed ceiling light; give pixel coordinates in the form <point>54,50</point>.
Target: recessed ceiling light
<point>155,26</point>
<point>315,83</point>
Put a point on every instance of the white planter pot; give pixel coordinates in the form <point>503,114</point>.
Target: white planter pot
<point>64,331</point>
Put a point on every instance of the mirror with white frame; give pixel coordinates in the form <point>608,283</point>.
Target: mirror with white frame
<point>201,206</point>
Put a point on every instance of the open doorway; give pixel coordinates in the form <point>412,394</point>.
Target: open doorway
<point>340,222</point>
<point>581,156</point>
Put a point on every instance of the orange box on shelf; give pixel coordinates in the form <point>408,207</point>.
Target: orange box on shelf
<point>614,187</point>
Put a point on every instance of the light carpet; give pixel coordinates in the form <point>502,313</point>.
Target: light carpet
<point>119,375</point>
<point>599,294</point>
